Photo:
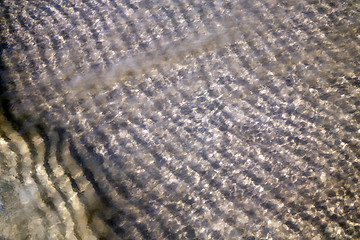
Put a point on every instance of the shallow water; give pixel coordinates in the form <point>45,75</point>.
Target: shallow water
<point>180,120</point>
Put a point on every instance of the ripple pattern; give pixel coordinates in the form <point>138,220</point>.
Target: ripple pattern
<point>180,119</point>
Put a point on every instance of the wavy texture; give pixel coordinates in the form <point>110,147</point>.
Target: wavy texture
<point>180,119</point>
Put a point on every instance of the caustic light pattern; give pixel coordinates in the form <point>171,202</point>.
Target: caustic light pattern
<point>180,119</point>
